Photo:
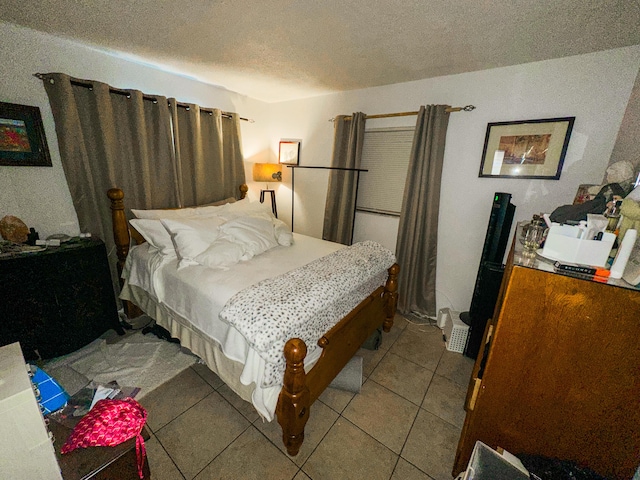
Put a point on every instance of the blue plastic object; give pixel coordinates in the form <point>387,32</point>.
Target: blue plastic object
<point>52,396</point>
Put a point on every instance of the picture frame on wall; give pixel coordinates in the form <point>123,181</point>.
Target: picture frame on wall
<point>22,138</point>
<point>526,148</point>
<point>289,152</point>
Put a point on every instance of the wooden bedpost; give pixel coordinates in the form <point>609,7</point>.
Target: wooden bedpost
<point>294,401</point>
<point>244,188</point>
<point>120,227</point>
<point>122,238</point>
<point>391,296</point>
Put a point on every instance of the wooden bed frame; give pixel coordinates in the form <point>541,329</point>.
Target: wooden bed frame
<point>339,344</point>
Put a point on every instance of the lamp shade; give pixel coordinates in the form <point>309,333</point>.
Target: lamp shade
<point>267,172</point>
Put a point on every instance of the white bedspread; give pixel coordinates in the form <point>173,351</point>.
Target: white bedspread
<point>199,294</point>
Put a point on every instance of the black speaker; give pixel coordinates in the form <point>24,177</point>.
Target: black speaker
<point>485,297</point>
<point>490,270</point>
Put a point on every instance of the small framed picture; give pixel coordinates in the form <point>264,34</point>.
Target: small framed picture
<point>22,139</point>
<point>289,152</point>
<point>526,148</point>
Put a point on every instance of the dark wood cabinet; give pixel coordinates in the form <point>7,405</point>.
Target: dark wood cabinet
<point>558,374</point>
<point>58,300</point>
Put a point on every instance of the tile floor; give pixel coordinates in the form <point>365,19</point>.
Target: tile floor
<point>404,424</point>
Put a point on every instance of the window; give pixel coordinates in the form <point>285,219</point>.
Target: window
<point>385,153</point>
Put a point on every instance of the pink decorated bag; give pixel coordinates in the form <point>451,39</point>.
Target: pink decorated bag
<point>109,423</point>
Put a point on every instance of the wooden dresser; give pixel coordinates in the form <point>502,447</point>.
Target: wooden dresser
<point>558,374</point>
<point>58,300</point>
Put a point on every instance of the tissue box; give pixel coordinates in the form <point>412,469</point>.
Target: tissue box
<point>564,245</point>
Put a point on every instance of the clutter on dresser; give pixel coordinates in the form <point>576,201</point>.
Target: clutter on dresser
<point>534,235</point>
<point>631,273</point>
<point>10,249</point>
<point>51,395</point>
<point>81,402</point>
<point>596,237</point>
<point>13,229</point>
<point>620,180</point>
<point>578,244</point>
<point>33,236</point>
<point>109,423</point>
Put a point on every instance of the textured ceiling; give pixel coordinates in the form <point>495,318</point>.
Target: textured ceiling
<point>277,50</point>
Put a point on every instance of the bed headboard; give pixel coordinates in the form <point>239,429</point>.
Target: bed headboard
<point>123,232</point>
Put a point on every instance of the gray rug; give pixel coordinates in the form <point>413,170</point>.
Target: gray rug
<point>135,360</point>
<point>145,361</point>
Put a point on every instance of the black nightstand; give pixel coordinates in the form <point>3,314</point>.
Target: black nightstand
<point>58,300</point>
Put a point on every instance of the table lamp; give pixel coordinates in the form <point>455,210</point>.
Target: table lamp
<point>267,172</point>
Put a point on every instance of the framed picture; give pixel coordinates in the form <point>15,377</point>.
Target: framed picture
<point>526,148</point>
<point>289,153</point>
<point>22,140</point>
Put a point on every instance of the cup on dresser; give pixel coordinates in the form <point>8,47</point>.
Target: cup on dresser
<point>532,239</point>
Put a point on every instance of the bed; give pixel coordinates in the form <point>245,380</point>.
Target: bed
<point>215,310</point>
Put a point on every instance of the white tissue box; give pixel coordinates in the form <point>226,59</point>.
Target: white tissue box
<point>564,245</point>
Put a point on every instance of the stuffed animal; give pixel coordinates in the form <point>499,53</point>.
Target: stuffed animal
<point>630,211</point>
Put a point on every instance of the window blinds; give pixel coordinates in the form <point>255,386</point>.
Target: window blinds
<point>385,153</point>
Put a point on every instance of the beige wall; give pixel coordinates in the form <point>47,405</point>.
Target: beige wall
<point>40,195</point>
<point>595,88</point>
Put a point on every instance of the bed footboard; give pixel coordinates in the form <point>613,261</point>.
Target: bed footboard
<point>339,344</point>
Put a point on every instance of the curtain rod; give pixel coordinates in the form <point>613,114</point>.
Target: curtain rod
<point>117,91</point>
<point>467,108</point>
<point>329,168</point>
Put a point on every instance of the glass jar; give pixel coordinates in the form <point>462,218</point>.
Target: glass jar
<point>533,238</point>
<point>613,215</point>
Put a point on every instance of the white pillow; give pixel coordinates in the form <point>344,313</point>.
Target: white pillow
<point>192,236</point>
<point>245,207</point>
<point>254,232</point>
<point>155,234</point>
<point>208,209</point>
<point>215,208</point>
<point>282,232</point>
<point>168,213</point>
<point>218,203</point>
<point>224,251</point>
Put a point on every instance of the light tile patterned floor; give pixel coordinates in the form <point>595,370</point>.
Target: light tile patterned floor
<point>404,424</point>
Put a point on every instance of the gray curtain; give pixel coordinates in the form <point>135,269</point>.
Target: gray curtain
<point>232,156</point>
<point>340,206</point>
<point>208,154</point>
<point>416,248</point>
<point>122,138</point>
<point>110,139</point>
